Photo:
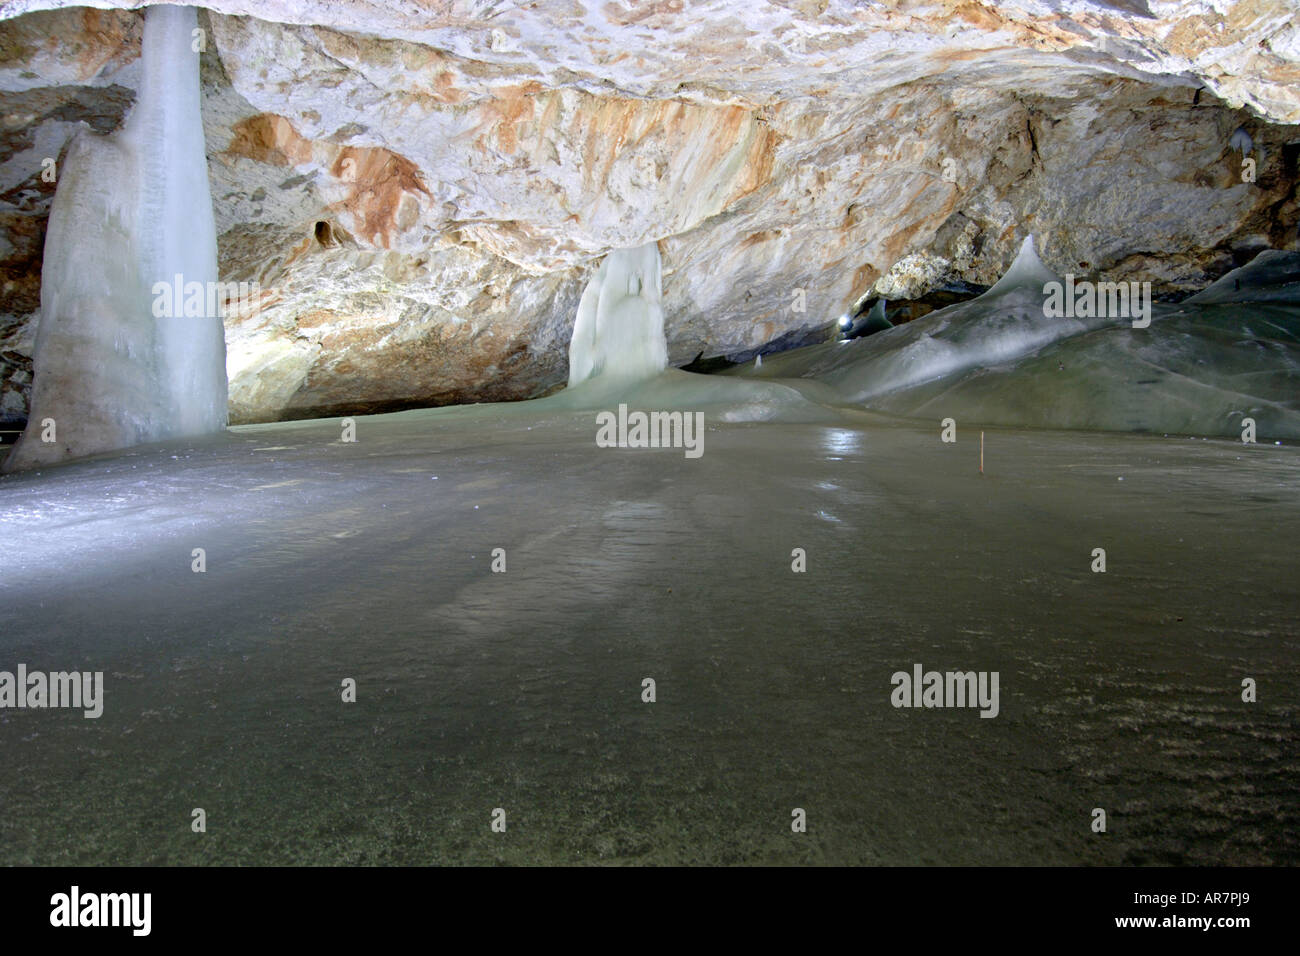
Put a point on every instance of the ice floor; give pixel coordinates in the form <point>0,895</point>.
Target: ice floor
<point>522,690</point>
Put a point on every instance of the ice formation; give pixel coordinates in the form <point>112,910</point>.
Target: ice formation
<point>1272,276</point>
<point>619,354</point>
<point>876,320</point>
<point>131,234</point>
<point>1200,371</point>
<point>1006,321</point>
<point>1229,353</point>
<point>1240,140</point>
<point>619,330</point>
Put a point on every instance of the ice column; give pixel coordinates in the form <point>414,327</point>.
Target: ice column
<point>130,346</point>
<point>619,331</point>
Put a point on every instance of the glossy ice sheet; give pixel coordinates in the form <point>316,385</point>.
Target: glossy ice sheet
<point>522,690</point>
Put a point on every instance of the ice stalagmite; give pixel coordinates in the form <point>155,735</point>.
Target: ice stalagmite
<point>130,347</point>
<point>619,355</point>
<point>619,331</point>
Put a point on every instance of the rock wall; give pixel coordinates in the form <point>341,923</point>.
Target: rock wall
<point>418,193</point>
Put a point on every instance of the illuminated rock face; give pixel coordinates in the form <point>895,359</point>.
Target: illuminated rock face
<point>422,194</point>
<point>130,347</point>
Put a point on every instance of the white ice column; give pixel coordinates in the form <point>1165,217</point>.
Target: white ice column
<point>130,346</point>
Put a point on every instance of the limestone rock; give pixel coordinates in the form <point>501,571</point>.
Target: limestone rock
<point>420,191</point>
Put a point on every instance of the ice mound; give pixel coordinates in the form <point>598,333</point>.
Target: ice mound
<point>618,355</point>
<point>1005,322</point>
<point>1272,276</point>
<point>1026,272</point>
<point>1241,141</point>
<point>131,210</point>
<point>619,329</point>
<point>1229,353</point>
<point>1200,372</point>
<point>721,399</point>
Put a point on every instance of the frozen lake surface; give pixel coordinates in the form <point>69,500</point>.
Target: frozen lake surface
<point>522,690</point>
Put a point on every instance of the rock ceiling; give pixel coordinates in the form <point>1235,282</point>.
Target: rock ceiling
<point>419,190</point>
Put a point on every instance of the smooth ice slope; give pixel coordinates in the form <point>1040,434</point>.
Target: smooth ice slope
<point>1201,371</point>
<point>1229,353</point>
<point>1272,276</point>
<point>132,210</point>
<point>1005,322</point>
<point>1226,354</point>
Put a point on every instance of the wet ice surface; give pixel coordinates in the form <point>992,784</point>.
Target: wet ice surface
<point>522,690</point>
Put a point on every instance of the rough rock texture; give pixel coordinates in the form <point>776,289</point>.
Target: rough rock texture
<point>421,190</point>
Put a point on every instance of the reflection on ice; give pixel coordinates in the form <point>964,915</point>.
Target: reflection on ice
<point>841,441</point>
